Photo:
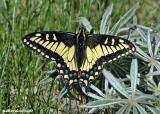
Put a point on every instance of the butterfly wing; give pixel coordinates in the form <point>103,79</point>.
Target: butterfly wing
<point>58,46</point>
<point>101,49</point>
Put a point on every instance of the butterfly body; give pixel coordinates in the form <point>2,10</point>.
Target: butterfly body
<point>80,50</point>
<point>80,57</point>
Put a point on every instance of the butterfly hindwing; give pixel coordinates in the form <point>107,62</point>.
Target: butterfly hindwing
<point>101,49</point>
<point>56,46</point>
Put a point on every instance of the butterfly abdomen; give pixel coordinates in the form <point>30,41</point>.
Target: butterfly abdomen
<point>80,49</point>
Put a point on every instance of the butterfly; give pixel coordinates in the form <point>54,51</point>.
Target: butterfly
<point>80,56</point>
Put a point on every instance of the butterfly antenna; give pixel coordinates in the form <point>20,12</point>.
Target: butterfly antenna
<point>130,30</point>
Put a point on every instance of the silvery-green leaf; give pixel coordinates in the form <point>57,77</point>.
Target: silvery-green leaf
<point>85,22</point>
<point>153,73</point>
<point>135,111</point>
<point>115,83</point>
<point>103,103</point>
<point>129,14</point>
<point>123,20</point>
<point>142,54</point>
<point>122,109</point>
<point>115,28</point>
<point>149,43</point>
<point>92,95</point>
<point>141,43</point>
<point>92,110</point>
<point>106,85</point>
<point>97,90</point>
<point>129,90</point>
<point>105,19</point>
<point>124,29</point>
<point>135,20</point>
<point>157,65</point>
<point>144,28</point>
<point>143,35</point>
<point>157,46</point>
<point>141,109</point>
<point>134,75</point>
<point>145,96</point>
<point>128,109</point>
<point>153,110</point>
<point>108,27</point>
<point>151,84</point>
<point>46,80</point>
<point>151,68</point>
<point>62,93</point>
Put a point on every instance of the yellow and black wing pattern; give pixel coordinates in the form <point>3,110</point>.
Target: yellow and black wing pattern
<point>80,57</point>
<point>57,46</point>
<point>102,49</point>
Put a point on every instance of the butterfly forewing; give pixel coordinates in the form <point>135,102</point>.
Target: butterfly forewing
<point>55,46</point>
<point>101,49</point>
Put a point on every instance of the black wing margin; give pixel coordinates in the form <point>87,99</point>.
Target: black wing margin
<point>107,48</point>
<point>51,45</point>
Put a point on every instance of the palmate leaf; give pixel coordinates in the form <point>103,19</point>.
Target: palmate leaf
<point>135,100</point>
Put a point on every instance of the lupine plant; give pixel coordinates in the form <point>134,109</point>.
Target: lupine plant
<point>133,97</point>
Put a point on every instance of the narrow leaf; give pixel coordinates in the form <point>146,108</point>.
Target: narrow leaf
<point>103,103</point>
<point>149,44</point>
<point>157,46</point>
<point>92,95</point>
<point>128,109</point>
<point>134,75</point>
<point>124,19</point>
<point>153,110</point>
<point>105,19</point>
<point>157,65</point>
<point>85,23</point>
<point>122,109</point>
<point>142,54</point>
<point>141,109</point>
<point>62,93</point>
<point>98,90</point>
<point>46,80</point>
<point>153,73</point>
<point>92,110</point>
<point>115,83</point>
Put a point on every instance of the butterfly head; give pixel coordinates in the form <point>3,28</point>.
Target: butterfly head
<point>81,33</point>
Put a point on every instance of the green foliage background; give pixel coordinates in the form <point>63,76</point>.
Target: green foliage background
<point>21,70</point>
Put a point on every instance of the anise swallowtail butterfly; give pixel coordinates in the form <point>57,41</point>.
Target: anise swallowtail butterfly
<point>80,56</point>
